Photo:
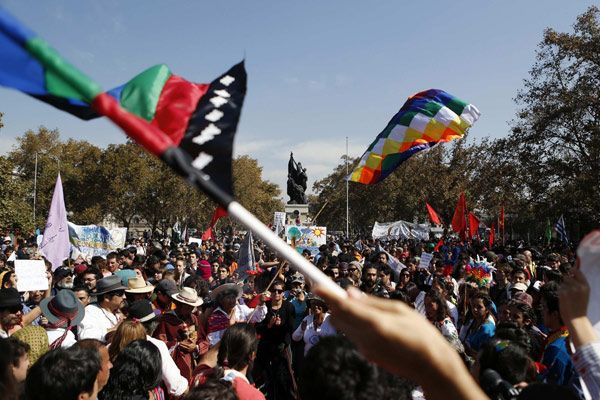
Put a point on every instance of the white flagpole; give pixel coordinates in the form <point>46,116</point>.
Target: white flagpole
<point>237,211</point>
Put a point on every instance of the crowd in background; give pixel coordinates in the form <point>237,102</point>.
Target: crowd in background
<point>161,319</point>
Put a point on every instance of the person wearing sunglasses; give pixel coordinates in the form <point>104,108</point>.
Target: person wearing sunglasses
<point>273,358</point>
<point>11,310</point>
<point>63,278</point>
<point>103,317</point>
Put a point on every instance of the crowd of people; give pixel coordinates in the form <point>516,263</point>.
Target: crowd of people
<point>166,320</point>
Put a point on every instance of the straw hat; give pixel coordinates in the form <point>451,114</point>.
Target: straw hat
<point>138,285</point>
<point>188,296</point>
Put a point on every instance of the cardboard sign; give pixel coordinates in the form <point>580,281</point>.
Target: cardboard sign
<point>195,240</point>
<point>31,275</point>
<point>425,260</point>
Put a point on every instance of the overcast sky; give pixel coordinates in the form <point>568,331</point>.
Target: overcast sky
<point>318,71</point>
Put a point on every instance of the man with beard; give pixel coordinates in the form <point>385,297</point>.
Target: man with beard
<point>63,278</point>
<point>103,317</point>
<point>11,310</point>
<point>371,284</point>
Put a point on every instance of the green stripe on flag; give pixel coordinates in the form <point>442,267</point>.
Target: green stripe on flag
<point>390,161</point>
<point>406,118</point>
<point>457,105</point>
<point>58,73</point>
<point>141,94</point>
<point>431,109</point>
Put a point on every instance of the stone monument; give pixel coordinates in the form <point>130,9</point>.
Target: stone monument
<point>296,209</point>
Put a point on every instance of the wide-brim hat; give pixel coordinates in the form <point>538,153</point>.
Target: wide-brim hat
<point>62,306</point>
<point>138,285</point>
<point>141,311</point>
<point>109,284</point>
<point>188,296</point>
<point>314,298</point>
<point>224,288</point>
<point>9,297</point>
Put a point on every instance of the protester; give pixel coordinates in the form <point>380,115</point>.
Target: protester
<point>141,311</point>
<point>136,373</point>
<point>314,326</point>
<point>237,351</point>
<point>103,317</point>
<point>64,374</point>
<point>182,331</point>
<point>229,311</point>
<point>63,312</point>
<point>274,355</point>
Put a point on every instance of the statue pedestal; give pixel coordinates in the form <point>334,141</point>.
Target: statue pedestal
<point>292,211</point>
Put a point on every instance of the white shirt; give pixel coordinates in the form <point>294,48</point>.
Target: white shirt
<point>311,335</point>
<point>242,314</point>
<point>96,323</point>
<point>54,334</point>
<point>175,383</point>
<point>453,312</point>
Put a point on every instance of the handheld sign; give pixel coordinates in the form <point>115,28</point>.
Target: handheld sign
<point>31,275</point>
<point>425,260</point>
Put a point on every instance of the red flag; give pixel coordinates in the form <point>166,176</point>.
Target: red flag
<point>208,235</point>
<point>474,225</point>
<point>219,212</point>
<point>501,223</point>
<point>458,221</point>
<point>433,215</point>
<point>492,236</point>
<point>440,244</point>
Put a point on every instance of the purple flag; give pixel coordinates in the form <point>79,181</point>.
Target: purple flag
<point>55,244</point>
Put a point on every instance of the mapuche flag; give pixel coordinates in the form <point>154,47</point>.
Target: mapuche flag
<point>426,119</point>
<point>186,124</point>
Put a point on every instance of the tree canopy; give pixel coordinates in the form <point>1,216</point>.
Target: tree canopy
<point>547,165</point>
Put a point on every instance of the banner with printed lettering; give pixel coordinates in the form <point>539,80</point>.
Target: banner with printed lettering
<point>400,230</point>
<point>306,237</point>
<point>94,240</point>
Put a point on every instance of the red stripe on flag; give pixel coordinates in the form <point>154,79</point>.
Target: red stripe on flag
<point>148,136</point>
<point>177,103</point>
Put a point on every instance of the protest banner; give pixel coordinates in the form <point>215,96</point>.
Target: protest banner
<point>195,240</point>
<point>94,240</point>
<point>425,260</point>
<point>306,237</point>
<point>400,230</point>
<point>31,275</point>
<point>279,222</point>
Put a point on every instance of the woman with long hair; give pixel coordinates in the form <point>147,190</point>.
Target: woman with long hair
<point>237,351</point>
<point>127,332</point>
<point>136,373</point>
<point>483,327</point>
<point>437,313</point>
